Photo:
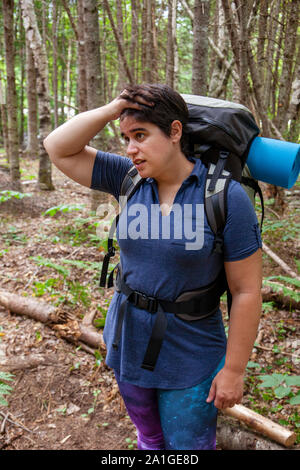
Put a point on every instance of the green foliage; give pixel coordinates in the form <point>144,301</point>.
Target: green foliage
<point>285,290</point>
<point>5,389</point>
<point>281,386</point>
<point>63,208</point>
<point>6,195</point>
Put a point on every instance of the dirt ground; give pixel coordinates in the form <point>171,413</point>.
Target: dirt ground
<point>62,398</point>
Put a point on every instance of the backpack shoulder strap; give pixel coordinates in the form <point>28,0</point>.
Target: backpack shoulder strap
<point>130,184</point>
<point>215,203</point>
<point>216,211</point>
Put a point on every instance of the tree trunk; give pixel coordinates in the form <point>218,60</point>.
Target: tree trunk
<point>222,68</point>
<point>32,149</point>
<point>41,63</point>
<point>93,77</point>
<point>170,64</point>
<point>54,50</point>
<point>134,40</point>
<point>200,47</point>
<point>122,81</point>
<point>294,109</point>
<point>3,115</point>
<point>287,64</point>
<point>13,139</point>
<point>82,85</point>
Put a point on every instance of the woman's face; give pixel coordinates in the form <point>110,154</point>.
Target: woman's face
<point>150,150</point>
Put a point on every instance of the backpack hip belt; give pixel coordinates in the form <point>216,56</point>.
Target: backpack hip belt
<point>191,306</point>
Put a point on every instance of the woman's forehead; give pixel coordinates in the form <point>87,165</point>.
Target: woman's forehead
<point>130,124</point>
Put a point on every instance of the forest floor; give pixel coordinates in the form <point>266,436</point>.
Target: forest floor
<point>69,399</point>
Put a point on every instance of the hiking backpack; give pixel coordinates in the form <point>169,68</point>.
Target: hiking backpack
<point>220,134</point>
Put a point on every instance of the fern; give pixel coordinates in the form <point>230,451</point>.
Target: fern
<point>5,389</point>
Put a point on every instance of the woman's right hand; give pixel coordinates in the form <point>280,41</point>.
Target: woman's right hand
<point>124,101</point>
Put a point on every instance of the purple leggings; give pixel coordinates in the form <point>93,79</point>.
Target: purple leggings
<point>172,419</point>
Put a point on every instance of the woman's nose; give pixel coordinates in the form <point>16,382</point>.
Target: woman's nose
<point>131,148</point>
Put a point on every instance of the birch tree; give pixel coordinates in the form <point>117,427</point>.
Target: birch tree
<point>41,63</point>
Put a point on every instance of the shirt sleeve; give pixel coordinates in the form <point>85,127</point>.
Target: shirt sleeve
<point>108,172</point>
<point>241,233</point>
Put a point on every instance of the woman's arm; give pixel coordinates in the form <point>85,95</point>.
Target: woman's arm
<point>244,280</point>
<point>67,145</point>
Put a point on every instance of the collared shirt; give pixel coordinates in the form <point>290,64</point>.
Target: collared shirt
<point>163,257</point>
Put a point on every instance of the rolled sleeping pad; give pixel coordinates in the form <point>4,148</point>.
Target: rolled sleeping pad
<point>274,161</point>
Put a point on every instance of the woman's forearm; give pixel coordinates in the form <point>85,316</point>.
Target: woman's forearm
<point>72,136</point>
<point>243,325</point>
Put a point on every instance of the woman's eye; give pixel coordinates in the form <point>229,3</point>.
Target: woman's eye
<point>140,135</point>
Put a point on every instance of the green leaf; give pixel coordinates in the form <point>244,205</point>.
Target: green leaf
<point>295,400</point>
<point>271,380</point>
<point>282,391</point>
<point>293,380</point>
<point>253,365</point>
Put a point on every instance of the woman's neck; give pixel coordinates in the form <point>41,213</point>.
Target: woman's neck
<point>179,170</point>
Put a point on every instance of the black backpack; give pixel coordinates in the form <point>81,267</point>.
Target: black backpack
<point>220,134</point>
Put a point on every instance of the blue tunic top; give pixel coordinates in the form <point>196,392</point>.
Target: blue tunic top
<point>160,258</point>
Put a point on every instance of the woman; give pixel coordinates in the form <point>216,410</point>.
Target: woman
<point>197,370</point>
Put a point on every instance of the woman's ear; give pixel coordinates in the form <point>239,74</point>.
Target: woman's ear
<point>176,131</point>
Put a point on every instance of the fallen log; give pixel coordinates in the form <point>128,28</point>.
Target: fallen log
<point>231,435</point>
<point>263,425</point>
<point>280,262</point>
<point>278,296</point>
<point>57,318</point>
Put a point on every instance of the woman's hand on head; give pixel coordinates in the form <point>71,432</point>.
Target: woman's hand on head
<point>125,101</point>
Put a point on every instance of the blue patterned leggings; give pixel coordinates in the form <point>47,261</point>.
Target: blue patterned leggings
<point>172,419</point>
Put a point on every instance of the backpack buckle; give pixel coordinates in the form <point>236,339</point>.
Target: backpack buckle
<point>218,245</point>
<point>144,301</point>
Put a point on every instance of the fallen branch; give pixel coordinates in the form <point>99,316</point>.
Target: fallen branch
<point>280,262</point>
<point>71,329</point>
<point>25,362</point>
<point>263,425</point>
<point>278,296</point>
<point>232,436</point>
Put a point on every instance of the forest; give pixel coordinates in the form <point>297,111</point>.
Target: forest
<point>60,58</point>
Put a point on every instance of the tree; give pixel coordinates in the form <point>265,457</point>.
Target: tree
<point>12,126</point>
<point>200,46</point>
<point>40,58</point>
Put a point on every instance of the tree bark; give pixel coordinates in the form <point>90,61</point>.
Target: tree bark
<point>231,436</point>
<point>3,114</point>
<point>13,139</point>
<point>93,77</point>
<point>200,47</point>
<point>32,149</point>
<point>286,77</point>
<point>65,324</point>
<point>262,425</point>
<point>41,63</point>
<point>134,40</point>
<point>171,43</point>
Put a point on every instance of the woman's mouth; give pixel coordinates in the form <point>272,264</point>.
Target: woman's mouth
<point>139,164</point>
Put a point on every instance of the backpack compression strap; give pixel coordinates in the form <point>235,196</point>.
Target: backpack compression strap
<point>130,184</point>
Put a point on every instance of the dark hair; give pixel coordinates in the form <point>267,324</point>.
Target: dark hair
<point>165,106</point>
